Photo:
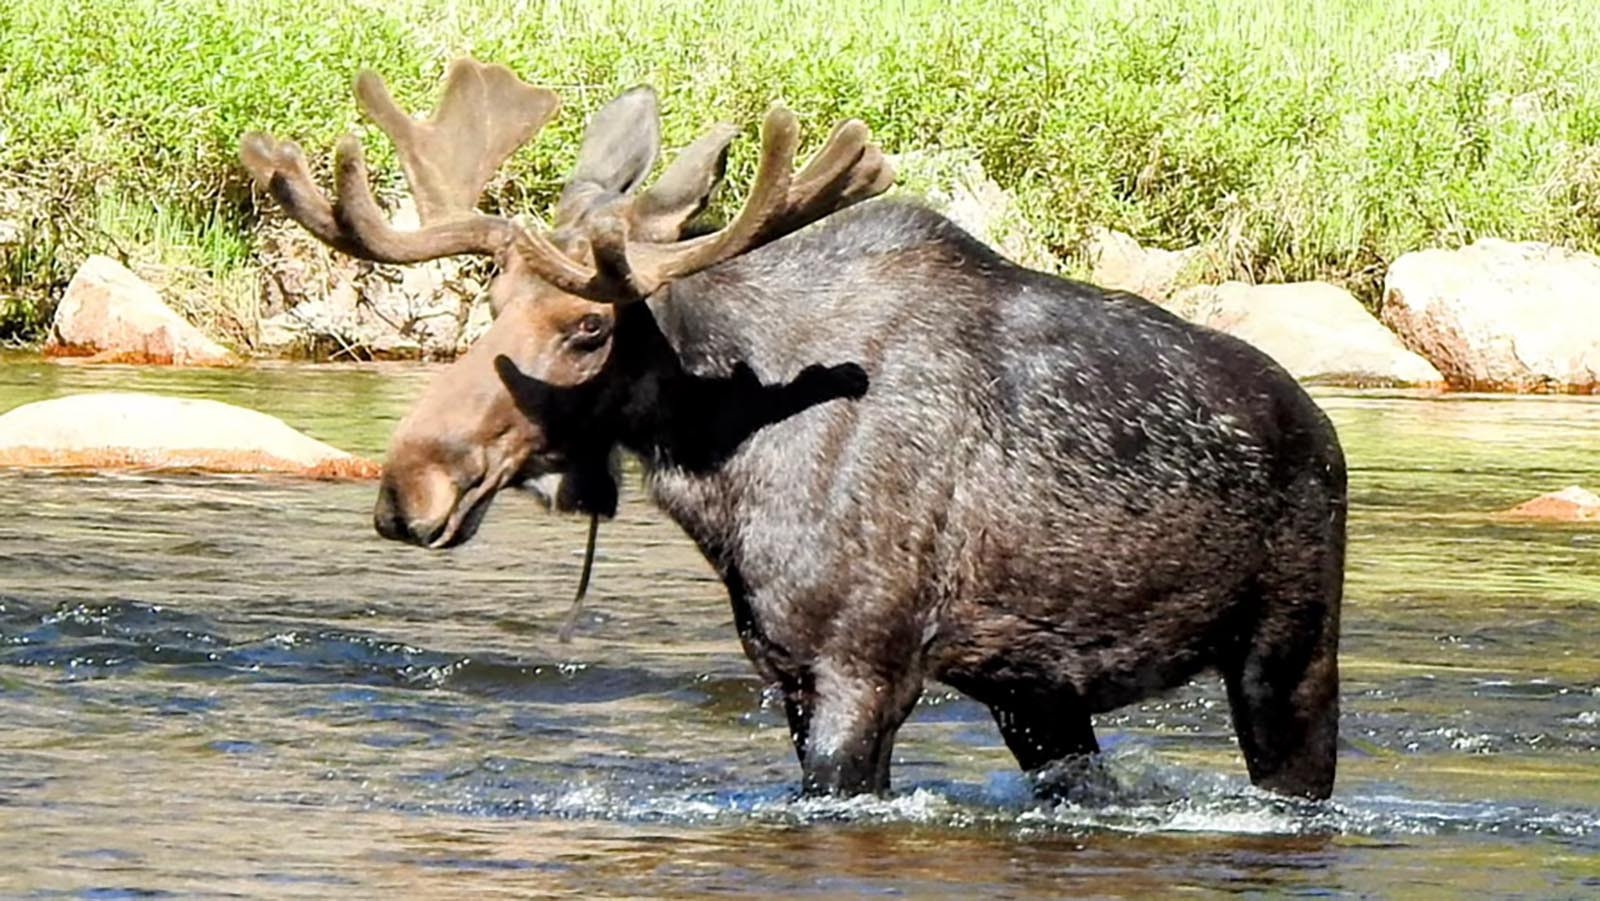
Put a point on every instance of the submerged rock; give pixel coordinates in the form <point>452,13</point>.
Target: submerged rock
<point>1317,331</point>
<point>1501,316</point>
<point>117,430</point>
<point>1570,504</point>
<point>111,315</point>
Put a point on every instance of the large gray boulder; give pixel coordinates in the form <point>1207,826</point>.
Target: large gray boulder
<point>124,430</point>
<point>1501,316</point>
<point>1317,331</point>
<point>111,315</point>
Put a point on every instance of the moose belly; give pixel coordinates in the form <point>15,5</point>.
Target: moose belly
<point>1108,610</point>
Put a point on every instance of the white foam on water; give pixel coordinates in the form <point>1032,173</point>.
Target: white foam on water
<point>1127,790</point>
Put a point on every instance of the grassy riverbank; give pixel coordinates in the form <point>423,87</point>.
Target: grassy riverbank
<point>1316,142</point>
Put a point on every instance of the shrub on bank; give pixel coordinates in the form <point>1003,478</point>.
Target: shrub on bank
<point>1306,140</point>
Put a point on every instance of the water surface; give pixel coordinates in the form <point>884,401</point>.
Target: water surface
<point>229,686</point>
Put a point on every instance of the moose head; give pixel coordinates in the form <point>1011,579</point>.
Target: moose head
<point>557,292</point>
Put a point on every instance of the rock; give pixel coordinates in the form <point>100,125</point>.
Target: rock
<point>10,233</point>
<point>1411,66</point>
<point>1317,331</point>
<point>1500,316</point>
<point>1117,261</point>
<point>955,183</point>
<point>120,430</point>
<point>111,315</point>
<point>989,213</point>
<point>1571,504</point>
<point>330,305</point>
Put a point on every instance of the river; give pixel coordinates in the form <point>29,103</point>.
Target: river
<point>225,686</point>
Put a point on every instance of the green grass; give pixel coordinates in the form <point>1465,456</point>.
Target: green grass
<point>1305,140</point>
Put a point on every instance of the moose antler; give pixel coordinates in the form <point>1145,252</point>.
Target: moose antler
<point>846,170</point>
<point>485,114</point>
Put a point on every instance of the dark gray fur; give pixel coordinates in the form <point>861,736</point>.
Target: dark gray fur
<point>1057,499</point>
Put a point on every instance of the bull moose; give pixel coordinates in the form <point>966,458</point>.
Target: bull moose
<point>907,457</point>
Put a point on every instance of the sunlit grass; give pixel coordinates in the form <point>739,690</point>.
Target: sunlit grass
<point>1304,139</point>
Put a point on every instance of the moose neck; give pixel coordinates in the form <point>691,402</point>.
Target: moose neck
<point>688,397</point>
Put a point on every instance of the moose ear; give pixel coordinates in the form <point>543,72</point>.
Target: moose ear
<point>619,148</point>
<point>682,192</point>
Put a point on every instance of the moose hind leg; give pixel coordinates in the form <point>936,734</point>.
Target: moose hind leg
<point>1286,715</point>
<point>1283,683</point>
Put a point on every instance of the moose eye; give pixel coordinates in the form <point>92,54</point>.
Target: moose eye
<point>590,332</point>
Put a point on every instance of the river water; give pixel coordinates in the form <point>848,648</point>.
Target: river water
<point>231,686</point>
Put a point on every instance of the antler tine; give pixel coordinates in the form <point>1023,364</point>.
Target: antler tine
<point>612,280</point>
<point>279,168</point>
<point>838,155</point>
<point>486,113</point>
<point>355,225</point>
<point>767,203</point>
<point>847,169</point>
<point>625,271</point>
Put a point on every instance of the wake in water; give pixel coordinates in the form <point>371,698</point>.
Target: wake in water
<point>391,693</point>
<point>1128,789</point>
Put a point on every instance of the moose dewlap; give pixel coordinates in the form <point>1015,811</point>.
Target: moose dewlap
<point>907,457</point>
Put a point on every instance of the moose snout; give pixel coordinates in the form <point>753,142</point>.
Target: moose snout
<point>387,515</point>
<point>394,521</point>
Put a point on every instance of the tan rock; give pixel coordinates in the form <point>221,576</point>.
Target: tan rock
<point>1501,316</point>
<point>1117,261</point>
<point>326,304</point>
<point>111,315</point>
<point>1410,66</point>
<point>1571,504</point>
<point>1317,331</point>
<point>118,430</point>
<point>954,183</point>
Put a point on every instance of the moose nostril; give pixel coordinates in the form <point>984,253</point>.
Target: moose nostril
<point>386,515</point>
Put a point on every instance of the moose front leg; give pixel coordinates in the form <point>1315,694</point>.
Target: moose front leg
<point>851,727</point>
<point>798,699</point>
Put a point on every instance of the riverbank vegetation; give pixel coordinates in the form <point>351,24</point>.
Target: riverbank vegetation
<point>1299,140</point>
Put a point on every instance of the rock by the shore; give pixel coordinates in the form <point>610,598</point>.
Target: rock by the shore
<point>118,430</point>
<point>111,315</point>
<point>1117,261</point>
<point>1570,504</point>
<point>1317,331</point>
<point>326,304</point>
<point>1501,316</point>
<point>954,183</point>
